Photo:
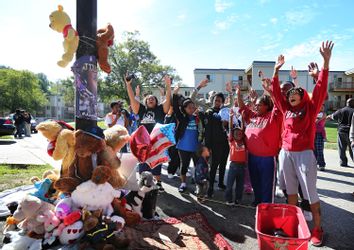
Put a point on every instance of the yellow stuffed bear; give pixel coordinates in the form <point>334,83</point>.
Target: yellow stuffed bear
<point>60,22</point>
<point>61,142</point>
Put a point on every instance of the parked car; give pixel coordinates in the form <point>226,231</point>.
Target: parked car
<point>6,127</point>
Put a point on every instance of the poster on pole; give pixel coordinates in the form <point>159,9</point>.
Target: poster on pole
<point>85,73</point>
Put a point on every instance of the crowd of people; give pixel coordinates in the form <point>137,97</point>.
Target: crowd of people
<point>22,120</point>
<point>275,137</point>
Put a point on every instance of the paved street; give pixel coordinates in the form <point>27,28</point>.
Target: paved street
<point>335,187</point>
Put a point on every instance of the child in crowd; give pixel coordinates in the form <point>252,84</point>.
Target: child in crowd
<point>201,172</point>
<point>296,159</point>
<point>238,162</point>
<point>320,138</point>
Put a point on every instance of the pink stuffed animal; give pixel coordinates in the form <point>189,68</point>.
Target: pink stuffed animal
<point>51,221</point>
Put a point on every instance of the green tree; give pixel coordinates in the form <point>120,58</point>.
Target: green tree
<point>133,55</point>
<point>44,83</point>
<point>20,89</point>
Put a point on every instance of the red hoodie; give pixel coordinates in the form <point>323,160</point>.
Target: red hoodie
<point>300,121</point>
<point>262,132</point>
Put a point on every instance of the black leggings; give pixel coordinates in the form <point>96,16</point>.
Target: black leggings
<point>185,158</point>
<point>174,163</point>
<point>219,155</point>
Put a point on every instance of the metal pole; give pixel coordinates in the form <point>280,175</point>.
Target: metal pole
<point>86,75</point>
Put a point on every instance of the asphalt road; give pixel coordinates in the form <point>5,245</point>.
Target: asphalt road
<point>236,224</point>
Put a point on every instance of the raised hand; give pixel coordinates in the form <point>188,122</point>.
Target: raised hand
<point>253,95</point>
<point>228,87</point>
<point>279,63</point>
<point>176,89</point>
<point>238,90</point>
<point>326,52</point>
<point>203,83</point>
<point>168,81</point>
<point>313,70</point>
<point>267,83</point>
<point>293,73</point>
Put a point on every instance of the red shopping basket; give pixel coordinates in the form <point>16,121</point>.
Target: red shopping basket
<point>287,219</point>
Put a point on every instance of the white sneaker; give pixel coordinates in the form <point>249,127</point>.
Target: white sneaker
<point>230,203</point>
<point>279,193</point>
<point>308,215</point>
<point>170,176</point>
<point>188,174</point>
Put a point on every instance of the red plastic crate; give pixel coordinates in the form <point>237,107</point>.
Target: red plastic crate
<point>287,217</point>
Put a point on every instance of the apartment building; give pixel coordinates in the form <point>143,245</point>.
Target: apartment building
<point>340,83</point>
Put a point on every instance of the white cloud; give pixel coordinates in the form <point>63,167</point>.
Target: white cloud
<point>224,24</point>
<point>221,6</point>
<point>274,20</point>
<point>300,16</point>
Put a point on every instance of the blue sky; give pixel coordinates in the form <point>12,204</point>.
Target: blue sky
<point>189,34</point>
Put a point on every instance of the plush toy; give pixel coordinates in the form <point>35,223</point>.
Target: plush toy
<point>93,196</point>
<point>27,212</point>
<point>45,187</point>
<point>63,207</point>
<point>20,242</point>
<point>72,233</point>
<point>135,198</point>
<point>116,137</point>
<point>104,39</point>
<point>120,208</point>
<point>61,142</point>
<point>60,22</point>
<point>100,233</point>
<point>91,150</point>
<point>51,221</point>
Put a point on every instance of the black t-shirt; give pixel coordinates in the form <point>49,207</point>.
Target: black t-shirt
<point>344,118</point>
<point>149,117</point>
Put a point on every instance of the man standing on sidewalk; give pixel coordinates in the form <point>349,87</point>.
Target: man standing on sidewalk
<point>344,117</point>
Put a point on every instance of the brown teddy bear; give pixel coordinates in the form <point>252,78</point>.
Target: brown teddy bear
<point>130,216</point>
<point>100,232</point>
<point>91,150</point>
<point>116,137</point>
<point>61,142</point>
<point>104,39</point>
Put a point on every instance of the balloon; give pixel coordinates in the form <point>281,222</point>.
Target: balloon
<point>151,148</point>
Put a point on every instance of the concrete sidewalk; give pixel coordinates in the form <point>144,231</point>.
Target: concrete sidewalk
<point>29,150</point>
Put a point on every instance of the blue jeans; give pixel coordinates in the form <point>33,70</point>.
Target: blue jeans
<point>262,173</point>
<point>236,173</point>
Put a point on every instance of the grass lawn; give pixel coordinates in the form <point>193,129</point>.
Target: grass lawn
<point>331,131</point>
<point>7,137</point>
<point>17,175</point>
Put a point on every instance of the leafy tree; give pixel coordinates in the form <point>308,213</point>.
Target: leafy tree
<point>133,56</point>
<point>20,89</point>
<point>44,83</point>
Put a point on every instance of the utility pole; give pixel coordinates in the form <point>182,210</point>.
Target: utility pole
<point>85,67</point>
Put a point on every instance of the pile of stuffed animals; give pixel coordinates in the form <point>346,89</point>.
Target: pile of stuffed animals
<point>60,22</point>
<point>86,203</point>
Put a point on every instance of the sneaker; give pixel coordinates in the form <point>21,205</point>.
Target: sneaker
<point>222,187</point>
<point>317,237</point>
<point>230,203</point>
<point>308,215</point>
<point>182,188</point>
<point>248,191</point>
<point>188,174</point>
<point>170,176</point>
<point>159,186</point>
<point>279,193</point>
<point>321,168</point>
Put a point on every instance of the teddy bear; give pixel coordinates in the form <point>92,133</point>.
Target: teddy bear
<point>91,150</point>
<point>60,22</point>
<point>130,216</point>
<point>101,232</point>
<point>96,193</point>
<point>104,40</point>
<point>45,188</point>
<point>116,137</point>
<point>50,221</point>
<point>27,212</point>
<point>61,142</point>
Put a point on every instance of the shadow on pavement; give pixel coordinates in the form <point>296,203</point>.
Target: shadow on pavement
<point>335,180</point>
<point>336,195</point>
<point>7,142</point>
<point>339,229</point>
<point>340,172</point>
